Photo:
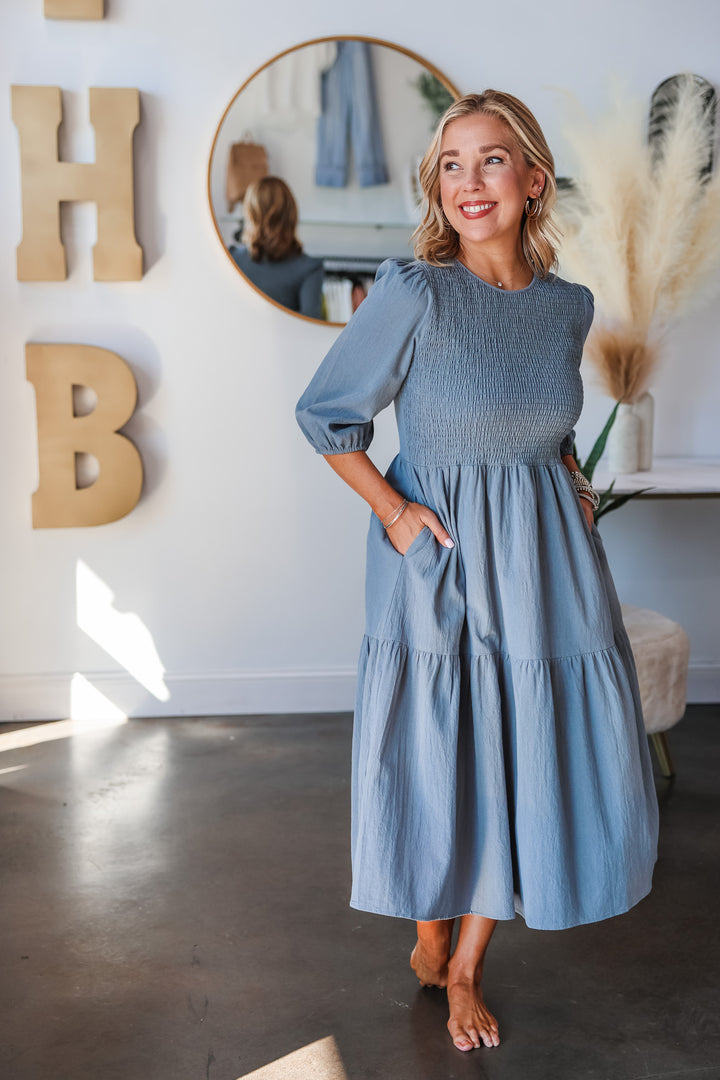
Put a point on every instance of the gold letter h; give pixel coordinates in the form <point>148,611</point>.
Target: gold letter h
<point>46,182</point>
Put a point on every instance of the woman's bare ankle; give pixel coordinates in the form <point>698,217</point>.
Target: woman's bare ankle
<point>461,970</point>
<point>429,958</point>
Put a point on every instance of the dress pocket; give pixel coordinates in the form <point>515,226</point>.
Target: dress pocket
<point>595,538</point>
<point>385,567</point>
<point>422,538</point>
<point>426,609</point>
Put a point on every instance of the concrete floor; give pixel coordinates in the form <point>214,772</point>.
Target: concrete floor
<point>174,899</point>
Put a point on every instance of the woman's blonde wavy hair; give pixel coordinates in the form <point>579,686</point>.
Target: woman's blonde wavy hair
<point>435,241</point>
<point>271,216</point>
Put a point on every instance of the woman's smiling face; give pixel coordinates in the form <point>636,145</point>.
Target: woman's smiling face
<point>484,179</point>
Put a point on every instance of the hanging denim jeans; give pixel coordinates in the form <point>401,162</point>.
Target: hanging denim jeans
<point>349,109</point>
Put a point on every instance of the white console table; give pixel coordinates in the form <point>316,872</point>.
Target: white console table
<point>669,478</point>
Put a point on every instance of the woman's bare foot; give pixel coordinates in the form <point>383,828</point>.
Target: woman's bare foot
<point>429,958</point>
<point>471,1023</point>
<point>430,966</point>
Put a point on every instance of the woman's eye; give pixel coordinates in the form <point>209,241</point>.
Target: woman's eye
<point>451,165</point>
<point>489,160</point>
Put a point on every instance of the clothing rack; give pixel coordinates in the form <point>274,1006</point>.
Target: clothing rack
<point>351,264</point>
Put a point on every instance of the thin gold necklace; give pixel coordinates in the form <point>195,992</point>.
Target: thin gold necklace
<point>499,284</point>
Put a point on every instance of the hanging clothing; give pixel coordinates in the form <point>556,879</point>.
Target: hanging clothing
<point>350,116</point>
<point>500,762</point>
<point>337,292</point>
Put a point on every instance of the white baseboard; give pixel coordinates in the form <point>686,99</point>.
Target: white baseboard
<point>50,697</point>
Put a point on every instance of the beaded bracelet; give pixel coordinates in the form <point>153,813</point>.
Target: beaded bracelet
<point>395,514</point>
<point>584,488</point>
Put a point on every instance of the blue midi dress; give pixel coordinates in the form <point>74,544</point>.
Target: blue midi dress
<point>500,763</point>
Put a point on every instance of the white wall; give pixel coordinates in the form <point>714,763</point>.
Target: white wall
<point>238,579</point>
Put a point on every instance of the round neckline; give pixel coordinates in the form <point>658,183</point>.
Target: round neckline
<point>495,288</point>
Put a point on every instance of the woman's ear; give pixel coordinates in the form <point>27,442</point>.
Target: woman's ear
<point>538,182</point>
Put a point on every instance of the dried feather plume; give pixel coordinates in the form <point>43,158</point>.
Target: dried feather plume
<point>641,228</point>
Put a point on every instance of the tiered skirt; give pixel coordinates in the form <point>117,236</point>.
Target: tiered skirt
<point>500,761</point>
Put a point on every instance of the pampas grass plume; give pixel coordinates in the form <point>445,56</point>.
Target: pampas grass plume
<point>642,231</point>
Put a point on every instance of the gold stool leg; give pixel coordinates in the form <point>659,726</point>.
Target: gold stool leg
<point>662,749</point>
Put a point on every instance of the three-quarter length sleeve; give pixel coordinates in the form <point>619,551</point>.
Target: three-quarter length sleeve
<point>588,313</point>
<point>367,365</point>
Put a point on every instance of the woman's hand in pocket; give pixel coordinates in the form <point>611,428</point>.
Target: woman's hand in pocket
<point>410,524</point>
<point>587,508</point>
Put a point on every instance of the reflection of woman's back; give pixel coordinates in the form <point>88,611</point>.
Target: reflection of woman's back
<point>272,256</point>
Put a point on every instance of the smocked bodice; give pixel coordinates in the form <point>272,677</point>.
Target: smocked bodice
<point>477,374</point>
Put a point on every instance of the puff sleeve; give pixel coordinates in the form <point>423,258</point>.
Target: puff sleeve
<point>365,368</point>
<point>587,315</point>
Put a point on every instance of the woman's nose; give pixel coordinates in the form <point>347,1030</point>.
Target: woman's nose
<point>474,177</point>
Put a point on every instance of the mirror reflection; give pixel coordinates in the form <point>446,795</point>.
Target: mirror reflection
<point>313,170</point>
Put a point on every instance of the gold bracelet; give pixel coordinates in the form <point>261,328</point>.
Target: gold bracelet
<point>392,518</point>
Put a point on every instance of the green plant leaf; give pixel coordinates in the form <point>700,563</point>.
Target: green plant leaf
<point>606,496</point>
<point>620,501</point>
<point>436,96</point>
<point>599,447</point>
<point>608,502</point>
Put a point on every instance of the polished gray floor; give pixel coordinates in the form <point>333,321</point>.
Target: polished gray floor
<point>174,907</point>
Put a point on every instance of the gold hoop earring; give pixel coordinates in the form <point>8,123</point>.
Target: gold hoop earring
<point>534,211</point>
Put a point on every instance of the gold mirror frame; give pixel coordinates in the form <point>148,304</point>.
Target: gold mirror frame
<point>313,41</point>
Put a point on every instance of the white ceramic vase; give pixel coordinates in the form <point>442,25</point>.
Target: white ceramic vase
<point>624,441</point>
<point>644,409</point>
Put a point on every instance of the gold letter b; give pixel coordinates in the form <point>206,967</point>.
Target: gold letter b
<point>54,370</point>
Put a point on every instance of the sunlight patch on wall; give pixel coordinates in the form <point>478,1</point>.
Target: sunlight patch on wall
<point>89,708</point>
<point>122,634</point>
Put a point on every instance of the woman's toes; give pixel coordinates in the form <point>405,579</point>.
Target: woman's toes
<point>491,1036</point>
<point>474,1038</point>
<point>460,1038</point>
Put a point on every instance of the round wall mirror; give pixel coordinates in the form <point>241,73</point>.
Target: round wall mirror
<point>313,174</point>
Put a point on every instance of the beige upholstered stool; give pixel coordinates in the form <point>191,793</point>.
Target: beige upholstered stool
<point>662,650</point>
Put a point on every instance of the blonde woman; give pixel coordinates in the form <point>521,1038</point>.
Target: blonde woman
<point>500,763</point>
<point>272,256</point>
